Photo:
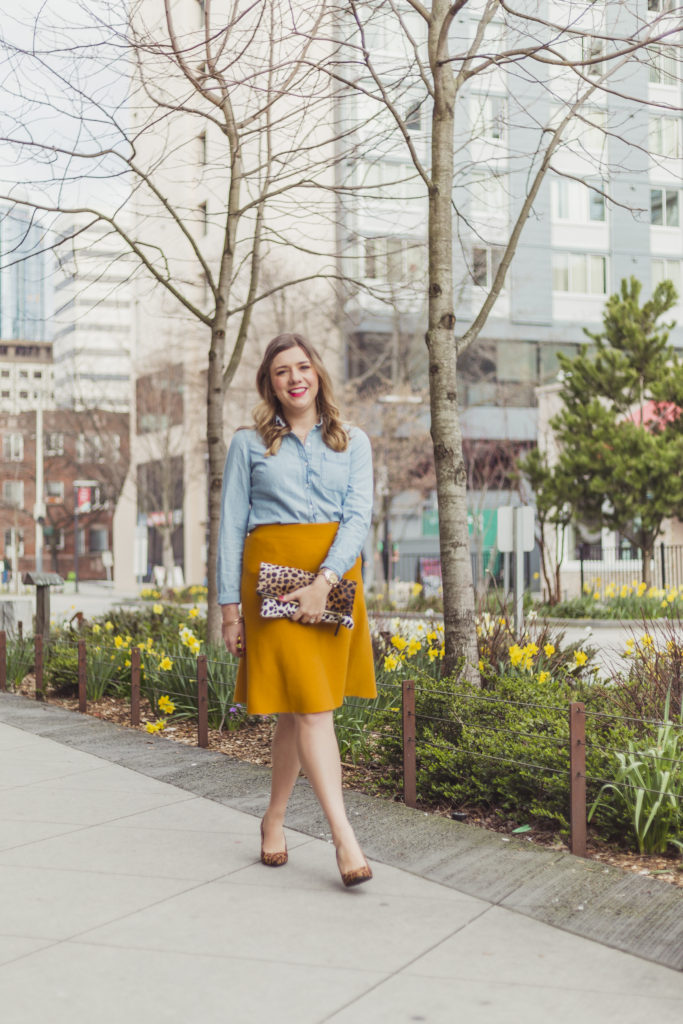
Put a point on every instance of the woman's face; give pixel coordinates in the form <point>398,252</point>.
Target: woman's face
<point>294,382</point>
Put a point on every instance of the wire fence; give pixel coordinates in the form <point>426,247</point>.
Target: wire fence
<point>202,688</point>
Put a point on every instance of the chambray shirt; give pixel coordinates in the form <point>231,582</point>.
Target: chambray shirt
<point>302,483</point>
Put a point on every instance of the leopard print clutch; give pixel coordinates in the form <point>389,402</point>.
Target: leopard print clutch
<point>275,580</point>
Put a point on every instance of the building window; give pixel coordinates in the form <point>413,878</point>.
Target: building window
<point>13,447</point>
<point>54,491</point>
<point>665,136</point>
<point>13,493</point>
<point>664,207</point>
<point>591,52</point>
<point>23,373</point>
<point>485,264</point>
<point>9,543</point>
<point>37,374</point>
<point>574,201</point>
<point>579,273</point>
<point>661,5</point>
<point>5,394</point>
<point>664,68</point>
<point>23,394</point>
<point>393,259</point>
<point>99,538</point>
<point>54,444</point>
<point>488,117</point>
<point>89,449</point>
<point>517,362</point>
<point>414,116</point>
<point>666,270</point>
<point>4,373</point>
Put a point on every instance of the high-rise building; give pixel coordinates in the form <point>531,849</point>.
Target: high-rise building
<point>26,376</point>
<point>23,277</point>
<point>92,320</point>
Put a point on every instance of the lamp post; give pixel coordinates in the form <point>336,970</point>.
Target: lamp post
<point>83,490</point>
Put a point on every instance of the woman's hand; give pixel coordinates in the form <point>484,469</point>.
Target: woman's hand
<point>311,600</point>
<point>233,630</point>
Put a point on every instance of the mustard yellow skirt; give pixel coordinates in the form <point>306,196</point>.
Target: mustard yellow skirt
<point>288,666</point>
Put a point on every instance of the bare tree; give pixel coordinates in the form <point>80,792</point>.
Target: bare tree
<point>577,58</point>
<point>116,101</point>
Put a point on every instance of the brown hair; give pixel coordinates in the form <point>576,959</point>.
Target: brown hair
<point>334,434</point>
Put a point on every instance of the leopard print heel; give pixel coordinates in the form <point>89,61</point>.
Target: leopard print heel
<point>273,860</point>
<point>355,877</point>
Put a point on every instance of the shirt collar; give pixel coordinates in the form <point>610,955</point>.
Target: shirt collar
<point>281,423</point>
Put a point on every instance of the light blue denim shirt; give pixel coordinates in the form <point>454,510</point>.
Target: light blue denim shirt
<point>302,483</point>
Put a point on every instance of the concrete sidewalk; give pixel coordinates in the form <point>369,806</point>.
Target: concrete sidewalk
<point>130,890</point>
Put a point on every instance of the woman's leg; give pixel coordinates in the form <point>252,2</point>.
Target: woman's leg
<point>285,771</point>
<point>319,757</point>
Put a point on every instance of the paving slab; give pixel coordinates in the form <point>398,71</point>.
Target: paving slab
<point>131,889</point>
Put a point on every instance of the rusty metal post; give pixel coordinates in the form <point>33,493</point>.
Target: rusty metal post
<point>577,778</point>
<point>135,686</point>
<point>82,678</point>
<point>202,702</point>
<point>409,756</point>
<point>20,629</point>
<point>40,677</point>
<point>3,660</point>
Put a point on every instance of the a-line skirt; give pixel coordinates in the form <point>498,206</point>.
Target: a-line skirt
<point>295,667</point>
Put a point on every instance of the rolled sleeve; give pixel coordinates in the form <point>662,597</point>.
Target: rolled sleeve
<point>235,502</point>
<point>357,507</point>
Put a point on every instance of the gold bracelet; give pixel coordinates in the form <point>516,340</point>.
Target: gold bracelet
<point>233,622</point>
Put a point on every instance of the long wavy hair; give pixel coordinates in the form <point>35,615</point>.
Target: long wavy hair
<point>269,408</point>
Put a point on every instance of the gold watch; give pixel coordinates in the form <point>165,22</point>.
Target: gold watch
<point>329,575</point>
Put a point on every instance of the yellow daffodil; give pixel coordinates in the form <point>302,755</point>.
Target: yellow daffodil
<point>158,609</point>
<point>108,626</point>
<point>543,677</point>
<point>516,654</point>
<point>399,642</point>
<point>165,664</point>
<point>166,705</point>
<point>193,613</point>
<point>580,657</point>
<point>432,653</point>
<point>119,642</point>
<point>390,662</point>
<point>96,629</point>
<point>549,650</point>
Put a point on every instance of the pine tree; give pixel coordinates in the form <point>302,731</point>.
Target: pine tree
<point>620,430</point>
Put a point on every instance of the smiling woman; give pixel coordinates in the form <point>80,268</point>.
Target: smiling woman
<point>297,491</point>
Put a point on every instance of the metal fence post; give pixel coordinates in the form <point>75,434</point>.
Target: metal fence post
<point>577,778</point>
<point>3,660</point>
<point>82,678</point>
<point>662,557</point>
<point>202,703</point>
<point>135,686</point>
<point>40,679</point>
<point>409,755</point>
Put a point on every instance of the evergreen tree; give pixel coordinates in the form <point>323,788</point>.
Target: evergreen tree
<point>620,430</point>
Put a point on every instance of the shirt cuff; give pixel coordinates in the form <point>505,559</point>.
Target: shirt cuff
<point>229,597</point>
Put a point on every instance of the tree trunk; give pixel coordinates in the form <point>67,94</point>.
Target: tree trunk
<point>216,453</point>
<point>648,551</point>
<point>451,479</point>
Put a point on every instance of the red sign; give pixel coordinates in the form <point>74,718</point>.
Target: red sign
<point>83,499</point>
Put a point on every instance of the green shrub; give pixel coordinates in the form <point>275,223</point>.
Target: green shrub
<point>20,655</point>
<point>648,786</point>
<point>506,748</point>
<point>61,669</point>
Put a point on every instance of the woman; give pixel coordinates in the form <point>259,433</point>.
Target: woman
<point>297,491</point>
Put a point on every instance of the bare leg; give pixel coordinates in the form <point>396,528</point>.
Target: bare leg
<point>319,756</point>
<point>285,771</point>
